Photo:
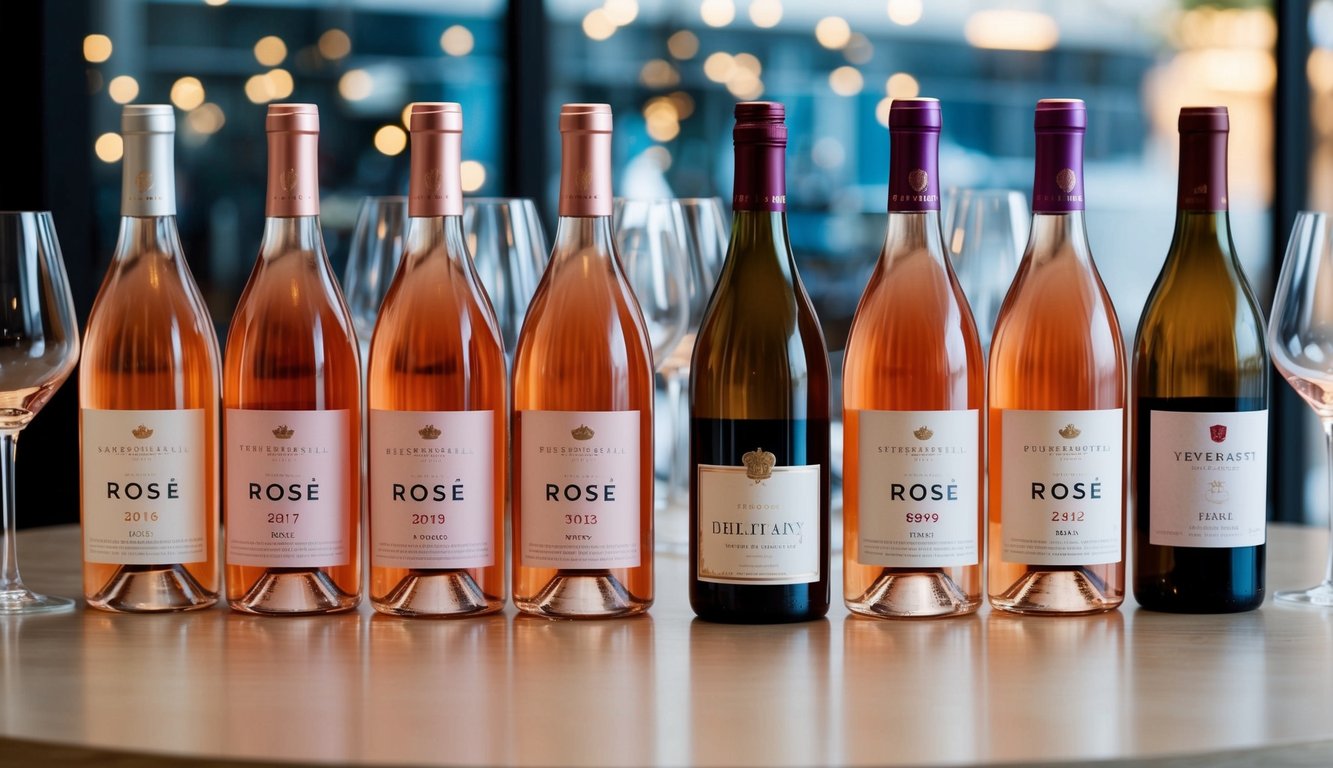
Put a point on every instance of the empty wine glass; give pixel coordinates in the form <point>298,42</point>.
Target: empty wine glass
<point>650,238</point>
<point>377,245</point>
<point>39,345</point>
<point>508,247</point>
<point>985,231</point>
<point>1300,341</point>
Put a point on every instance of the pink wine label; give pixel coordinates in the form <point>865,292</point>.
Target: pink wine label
<point>1063,476</point>
<point>288,495</point>
<point>758,523</point>
<point>579,486</point>
<point>432,489</point>
<point>919,495</point>
<point>1209,479</point>
<point>145,487</point>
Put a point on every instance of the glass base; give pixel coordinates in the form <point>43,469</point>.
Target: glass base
<point>25,602</point>
<point>294,592</point>
<point>1065,592</point>
<point>437,594</point>
<point>1321,595</point>
<point>152,588</point>
<point>923,595</point>
<point>582,595</point>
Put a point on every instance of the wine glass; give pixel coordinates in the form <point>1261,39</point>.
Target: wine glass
<point>985,231</point>
<point>377,245</point>
<point>39,345</point>
<point>1300,341</point>
<point>650,238</point>
<point>508,247</point>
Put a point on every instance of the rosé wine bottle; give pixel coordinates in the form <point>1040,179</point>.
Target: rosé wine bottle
<point>292,394</point>
<point>583,407</point>
<point>149,395</point>
<point>913,396</point>
<point>436,392</point>
<point>1056,404</point>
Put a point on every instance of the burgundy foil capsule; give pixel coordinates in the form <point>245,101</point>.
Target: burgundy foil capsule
<point>1203,159</point>
<point>1057,185</point>
<point>585,158</point>
<point>760,137</point>
<point>435,188</point>
<point>293,169</point>
<point>914,145</point>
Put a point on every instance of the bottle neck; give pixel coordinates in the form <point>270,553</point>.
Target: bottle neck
<point>582,237</point>
<point>148,180</point>
<point>288,234</point>
<point>147,234</point>
<point>432,236</point>
<point>1058,234</point>
<point>913,232</point>
<point>1057,185</point>
<point>585,175</point>
<point>761,178</point>
<point>914,184</point>
<point>759,240</point>
<point>435,187</point>
<point>293,175</point>
<point>1203,172</point>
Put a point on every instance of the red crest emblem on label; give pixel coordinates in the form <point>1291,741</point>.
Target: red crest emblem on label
<point>1217,432</point>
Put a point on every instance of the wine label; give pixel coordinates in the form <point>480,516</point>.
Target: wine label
<point>918,488</point>
<point>580,489</point>
<point>145,487</point>
<point>432,489</point>
<point>1209,479</point>
<point>1063,484</point>
<point>758,523</point>
<point>288,490</point>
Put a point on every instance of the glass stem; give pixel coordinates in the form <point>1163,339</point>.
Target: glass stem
<point>678,483</point>
<point>1328,440</point>
<point>9,567</point>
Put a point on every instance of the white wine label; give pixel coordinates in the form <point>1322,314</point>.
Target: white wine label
<point>145,487</point>
<point>918,488</point>
<point>1063,485</point>
<point>432,489</point>
<point>579,480</point>
<point>288,491</point>
<point>1209,479</point>
<point>758,523</point>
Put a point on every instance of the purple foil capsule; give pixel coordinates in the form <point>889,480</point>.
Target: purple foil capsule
<point>760,136</point>
<point>914,145</point>
<point>1057,186</point>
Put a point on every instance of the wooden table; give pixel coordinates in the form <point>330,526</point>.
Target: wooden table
<point>667,689</point>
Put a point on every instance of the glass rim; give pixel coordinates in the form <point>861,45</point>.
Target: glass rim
<point>44,212</point>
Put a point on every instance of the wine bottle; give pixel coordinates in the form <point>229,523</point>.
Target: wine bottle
<point>1200,386</point>
<point>292,394</point>
<point>149,394</point>
<point>583,407</point>
<point>759,400</point>
<point>913,392</point>
<point>436,393</point>
<point>1056,403</point>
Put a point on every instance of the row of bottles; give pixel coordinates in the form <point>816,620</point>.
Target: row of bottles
<point>924,427</point>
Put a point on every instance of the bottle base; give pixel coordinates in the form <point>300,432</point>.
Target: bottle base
<point>582,595</point>
<point>1065,592</point>
<point>1162,599</point>
<point>436,594</point>
<point>913,595</point>
<point>294,592</point>
<point>152,589</point>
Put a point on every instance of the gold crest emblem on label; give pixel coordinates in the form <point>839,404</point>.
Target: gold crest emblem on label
<point>1066,180</point>
<point>143,182</point>
<point>284,432</point>
<point>1069,432</point>
<point>141,432</point>
<point>289,180</point>
<point>582,432</point>
<point>583,182</point>
<point>758,464</point>
<point>923,433</point>
<point>918,180</point>
<point>429,432</point>
<point>434,179</point>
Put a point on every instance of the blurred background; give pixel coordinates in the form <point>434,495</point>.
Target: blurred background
<point>672,71</point>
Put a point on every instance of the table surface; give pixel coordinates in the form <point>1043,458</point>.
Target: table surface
<point>666,688</point>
